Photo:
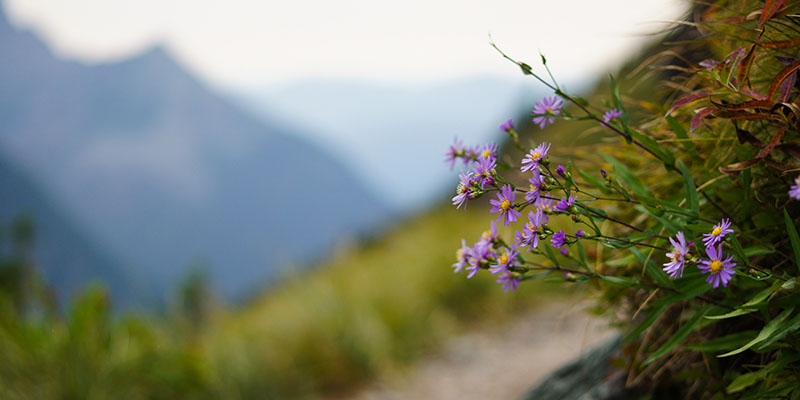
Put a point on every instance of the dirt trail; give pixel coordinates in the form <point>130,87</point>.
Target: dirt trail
<point>500,363</point>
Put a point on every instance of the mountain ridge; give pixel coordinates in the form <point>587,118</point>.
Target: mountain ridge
<point>163,172</point>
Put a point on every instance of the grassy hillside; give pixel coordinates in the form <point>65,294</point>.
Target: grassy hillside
<point>370,309</point>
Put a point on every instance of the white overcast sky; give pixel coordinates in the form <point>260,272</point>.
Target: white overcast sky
<point>236,43</point>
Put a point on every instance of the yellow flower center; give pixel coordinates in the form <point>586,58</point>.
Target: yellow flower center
<point>530,226</point>
<point>716,266</point>
<point>503,259</point>
<point>536,155</point>
<point>459,254</point>
<point>505,205</point>
<point>461,188</point>
<point>487,153</point>
<point>486,235</point>
<point>716,231</point>
<point>674,255</point>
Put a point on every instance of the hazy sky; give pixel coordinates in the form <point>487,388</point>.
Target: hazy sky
<point>246,42</point>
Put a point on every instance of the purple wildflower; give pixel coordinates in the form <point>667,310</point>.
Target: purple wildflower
<point>603,173</point>
<point>504,204</point>
<point>507,126</point>
<point>530,231</point>
<point>611,115</point>
<point>462,256</point>
<point>720,230</point>
<point>464,190</point>
<point>719,270</point>
<point>545,205</point>
<point>455,151</point>
<point>674,268</point>
<point>490,235</point>
<point>505,261</point>
<point>559,239</point>
<point>489,151</point>
<point>564,251</point>
<point>484,169</point>
<point>533,157</point>
<point>560,170</point>
<point>546,109</point>
<point>794,191</point>
<point>565,203</point>
<point>470,153</point>
<point>580,233</point>
<point>479,255</point>
<point>536,182</point>
<point>510,281</point>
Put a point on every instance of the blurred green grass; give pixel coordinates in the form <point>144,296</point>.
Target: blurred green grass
<point>370,310</point>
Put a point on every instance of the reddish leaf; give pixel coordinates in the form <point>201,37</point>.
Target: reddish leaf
<point>781,76</point>
<point>709,63</point>
<point>775,139</point>
<point>786,87</point>
<point>747,137</point>
<point>746,105</point>
<point>744,67</point>
<point>739,166</point>
<point>743,115</point>
<point>753,94</point>
<point>688,99</point>
<point>783,167</point>
<point>782,44</point>
<point>699,115</point>
<point>770,8</point>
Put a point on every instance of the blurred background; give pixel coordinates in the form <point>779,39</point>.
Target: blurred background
<point>259,186</point>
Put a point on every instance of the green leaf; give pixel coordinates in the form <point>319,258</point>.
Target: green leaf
<point>594,181</point>
<point>618,102</point>
<point>792,231</point>
<point>582,254</point>
<point>786,328</point>
<point>626,175</point>
<point>739,251</point>
<point>744,381</point>
<point>731,341</point>
<point>763,295</point>
<point>680,335</point>
<point>664,155</point>
<point>618,281</point>
<point>769,330</point>
<point>680,132</point>
<point>551,256</point>
<point>691,190</point>
<point>734,313</point>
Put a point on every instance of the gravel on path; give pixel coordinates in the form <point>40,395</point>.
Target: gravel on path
<point>499,362</point>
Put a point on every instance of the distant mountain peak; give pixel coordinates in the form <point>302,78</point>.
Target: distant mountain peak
<point>5,25</point>
<point>156,54</point>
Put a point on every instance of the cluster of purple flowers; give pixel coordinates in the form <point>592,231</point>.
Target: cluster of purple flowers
<point>473,183</point>
<point>720,269</point>
<point>490,253</point>
<point>469,154</point>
